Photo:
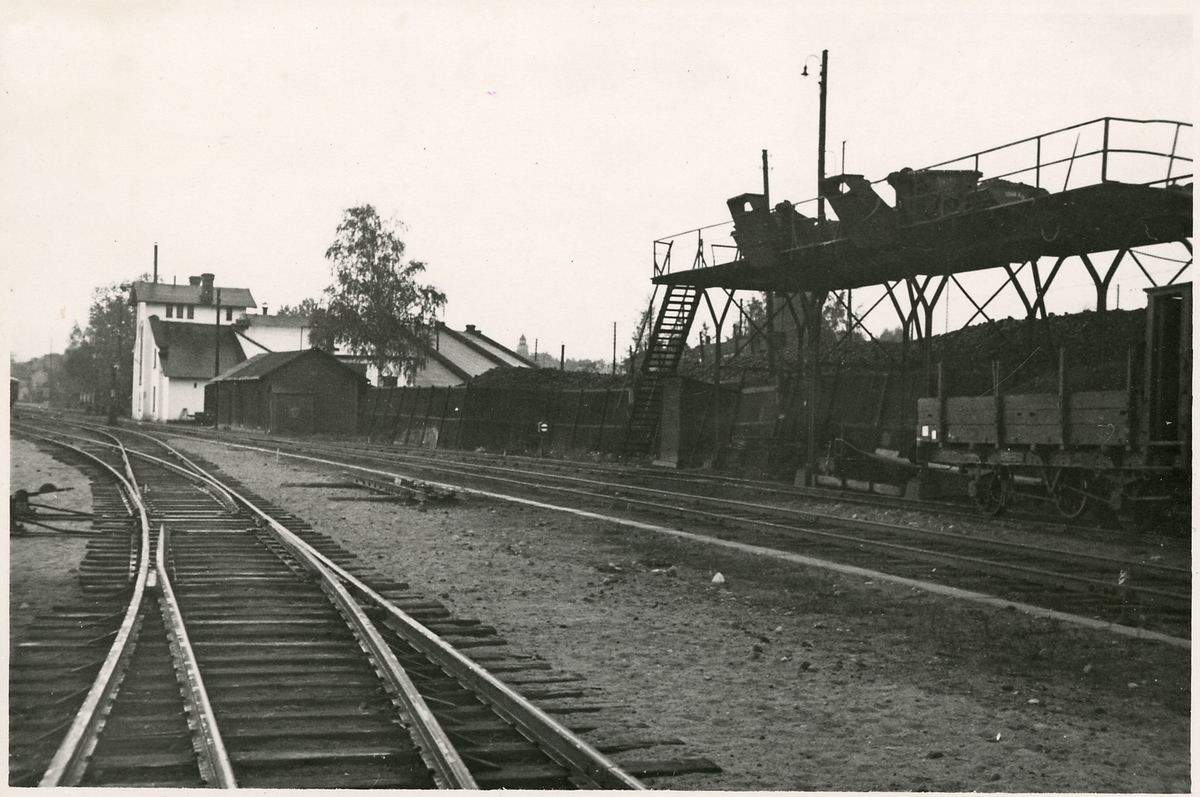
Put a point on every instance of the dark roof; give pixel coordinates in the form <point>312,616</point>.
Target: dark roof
<point>293,321</point>
<point>161,293</point>
<point>260,365</point>
<point>189,350</point>
<point>257,365</point>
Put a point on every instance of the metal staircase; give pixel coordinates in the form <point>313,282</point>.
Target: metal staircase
<point>667,342</point>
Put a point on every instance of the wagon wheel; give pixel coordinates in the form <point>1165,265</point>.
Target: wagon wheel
<point>1069,492</point>
<point>990,493</point>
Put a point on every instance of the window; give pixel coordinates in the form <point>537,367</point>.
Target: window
<point>228,313</point>
<point>179,311</point>
<point>191,311</point>
<point>170,311</point>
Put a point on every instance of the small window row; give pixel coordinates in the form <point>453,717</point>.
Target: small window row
<point>178,310</point>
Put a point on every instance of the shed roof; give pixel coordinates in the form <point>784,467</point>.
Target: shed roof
<point>188,351</point>
<point>260,365</point>
<point>161,293</point>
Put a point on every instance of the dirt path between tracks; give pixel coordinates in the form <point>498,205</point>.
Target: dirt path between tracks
<point>789,678</point>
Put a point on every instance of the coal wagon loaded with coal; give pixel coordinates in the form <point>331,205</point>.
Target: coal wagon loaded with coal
<point>1115,432</point>
<point>1087,407</point>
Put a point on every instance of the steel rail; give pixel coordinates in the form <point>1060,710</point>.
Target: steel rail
<point>70,760</point>
<point>457,466</point>
<point>221,494</point>
<point>436,748</point>
<point>449,770</point>
<point>1028,574</point>
<point>438,752</point>
<point>215,766</point>
<point>801,516</point>
<point>555,739</point>
<point>422,458</point>
<point>909,552</point>
<point>698,480</point>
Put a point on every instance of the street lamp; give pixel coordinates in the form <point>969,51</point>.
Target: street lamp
<point>824,80</point>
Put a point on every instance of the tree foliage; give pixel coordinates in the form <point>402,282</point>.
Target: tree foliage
<point>321,334</point>
<point>376,307</point>
<point>307,308</point>
<point>98,364</point>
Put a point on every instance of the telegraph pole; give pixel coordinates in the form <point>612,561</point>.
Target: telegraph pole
<point>821,135</point>
<point>770,295</point>
<point>217,364</point>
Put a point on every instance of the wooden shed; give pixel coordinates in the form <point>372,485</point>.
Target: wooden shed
<point>290,392</point>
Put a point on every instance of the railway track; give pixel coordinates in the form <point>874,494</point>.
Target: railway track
<point>227,644</point>
<point>1131,587</point>
<point>821,499</point>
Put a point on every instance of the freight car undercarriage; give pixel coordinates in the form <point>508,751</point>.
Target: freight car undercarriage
<point>1117,485</point>
<point>1140,495</point>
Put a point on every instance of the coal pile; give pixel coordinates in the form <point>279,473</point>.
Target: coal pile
<point>1096,354</point>
<point>547,379</point>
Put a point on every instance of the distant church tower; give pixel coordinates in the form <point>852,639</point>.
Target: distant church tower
<point>523,348</point>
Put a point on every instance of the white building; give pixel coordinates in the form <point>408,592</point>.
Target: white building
<point>452,359</point>
<point>186,334</point>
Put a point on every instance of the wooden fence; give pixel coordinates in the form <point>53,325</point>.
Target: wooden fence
<point>496,419</point>
<point>762,428</point>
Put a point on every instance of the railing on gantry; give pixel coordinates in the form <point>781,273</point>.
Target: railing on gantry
<point>1152,152</point>
<point>1114,149</point>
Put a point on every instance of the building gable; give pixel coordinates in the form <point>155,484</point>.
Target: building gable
<point>189,351</point>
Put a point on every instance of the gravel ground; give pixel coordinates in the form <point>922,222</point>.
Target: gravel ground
<point>789,678</point>
<point>41,566</point>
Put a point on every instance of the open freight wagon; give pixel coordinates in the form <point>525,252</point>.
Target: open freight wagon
<point>1127,446</point>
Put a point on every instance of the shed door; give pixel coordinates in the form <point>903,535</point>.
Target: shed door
<point>292,413</point>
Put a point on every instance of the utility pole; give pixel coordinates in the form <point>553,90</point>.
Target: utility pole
<point>770,295</point>
<point>615,346</point>
<point>217,363</point>
<point>821,135</point>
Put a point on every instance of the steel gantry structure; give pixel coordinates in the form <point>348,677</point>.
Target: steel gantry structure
<point>1029,212</point>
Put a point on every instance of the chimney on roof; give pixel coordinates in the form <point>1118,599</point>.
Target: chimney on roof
<point>194,281</point>
<point>206,288</point>
<point>264,309</point>
<point>471,329</point>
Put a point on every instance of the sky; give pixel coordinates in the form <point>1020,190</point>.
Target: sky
<point>533,151</point>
